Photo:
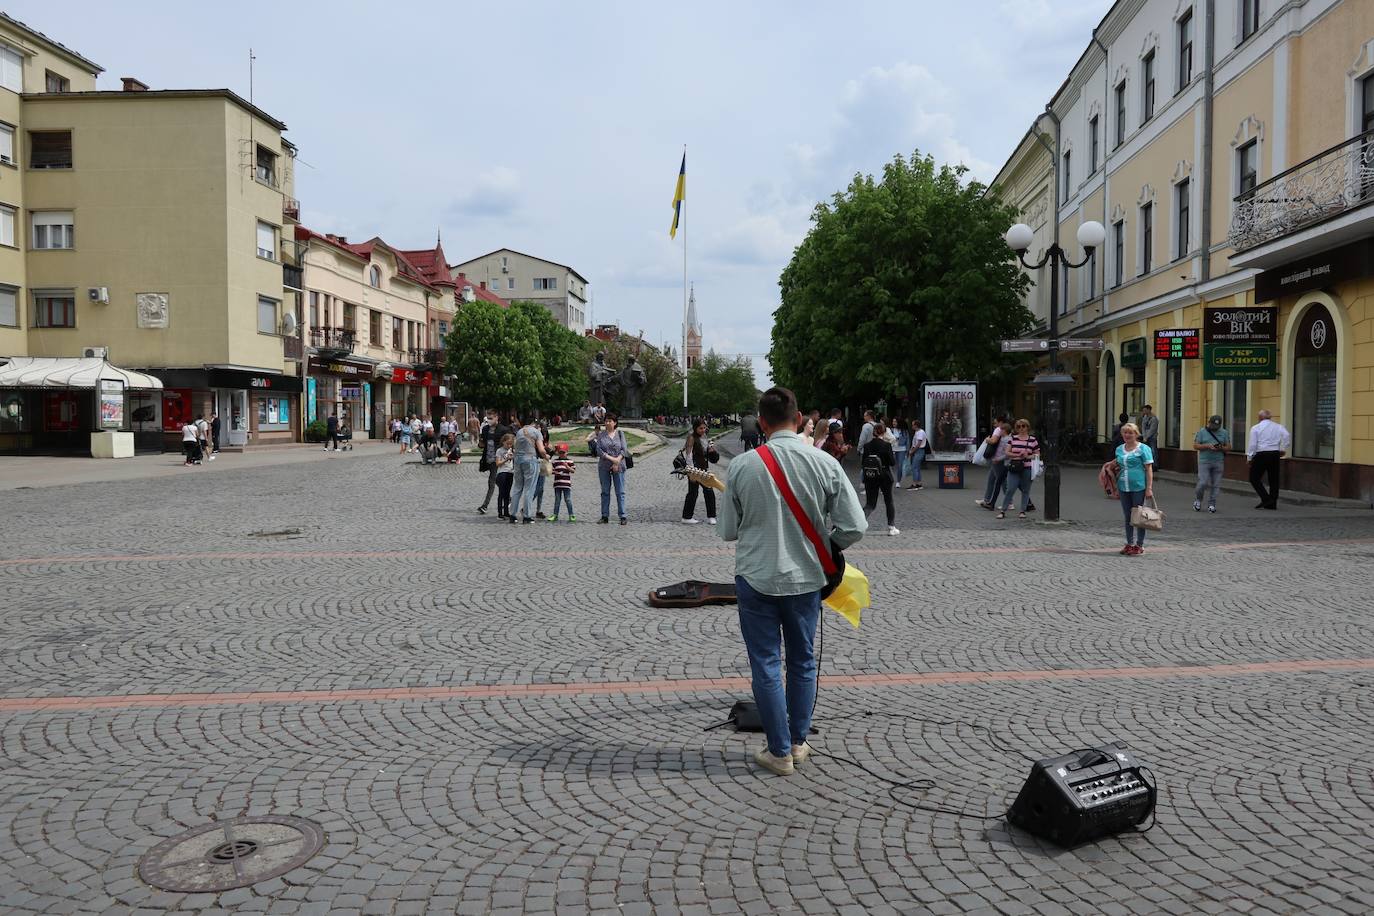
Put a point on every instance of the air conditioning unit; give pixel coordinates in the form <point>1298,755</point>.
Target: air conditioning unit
<point>99,294</point>
<point>96,353</point>
<point>505,269</point>
<point>6,159</point>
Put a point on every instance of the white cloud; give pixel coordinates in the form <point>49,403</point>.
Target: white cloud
<point>755,240</point>
<point>494,193</point>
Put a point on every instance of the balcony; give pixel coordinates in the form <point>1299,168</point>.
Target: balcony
<point>427,358</point>
<point>292,273</point>
<point>291,209</point>
<point>1278,220</point>
<point>333,341</point>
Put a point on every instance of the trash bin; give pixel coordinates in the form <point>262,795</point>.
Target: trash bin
<point>952,476</point>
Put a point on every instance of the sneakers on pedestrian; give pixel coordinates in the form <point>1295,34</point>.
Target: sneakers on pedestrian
<point>572,518</point>
<point>691,521</point>
<point>212,457</point>
<point>1136,550</point>
<point>981,503</point>
<point>624,520</point>
<point>1127,550</point>
<point>800,752</point>
<point>710,521</point>
<point>539,515</point>
<point>1197,505</point>
<point>892,531</point>
<point>604,521</point>
<point>1030,507</point>
<point>780,765</point>
<point>552,518</point>
<point>481,510</point>
<point>1212,508</point>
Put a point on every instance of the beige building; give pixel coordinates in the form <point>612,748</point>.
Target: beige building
<point>1230,163</point>
<point>157,246</point>
<point>514,275</point>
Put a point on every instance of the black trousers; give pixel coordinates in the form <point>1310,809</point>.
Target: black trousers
<point>882,485</point>
<point>503,485</point>
<point>689,505</point>
<point>1265,464</point>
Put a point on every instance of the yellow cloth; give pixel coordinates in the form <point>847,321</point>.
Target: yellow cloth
<point>679,196</point>
<point>850,597</point>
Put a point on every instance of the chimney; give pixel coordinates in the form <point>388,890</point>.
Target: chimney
<point>133,85</point>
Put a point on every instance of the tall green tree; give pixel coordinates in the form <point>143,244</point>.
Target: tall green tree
<point>493,356</point>
<point>717,385</point>
<point>564,361</point>
<point>900,280</point>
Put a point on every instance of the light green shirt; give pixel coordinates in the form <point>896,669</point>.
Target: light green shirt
<point>773,555</point>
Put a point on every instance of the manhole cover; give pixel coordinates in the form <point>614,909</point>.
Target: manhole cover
<point>229,854</point>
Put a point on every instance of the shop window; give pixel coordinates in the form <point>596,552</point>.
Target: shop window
<point>1173,403</point>
<point>1235,412</point>
<point>274,413</point>
<point>1314,386</point>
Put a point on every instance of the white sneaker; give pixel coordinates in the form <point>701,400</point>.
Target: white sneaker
<point>212,457</point>
<point>691,521</point>
<point>892,531</point>
<point>800,752</point>
<point>710,521</point>
<point>780,765</point>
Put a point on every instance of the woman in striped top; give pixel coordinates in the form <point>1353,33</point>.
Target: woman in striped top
<point>1021,448</point>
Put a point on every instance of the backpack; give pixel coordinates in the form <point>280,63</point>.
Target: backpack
<point>873,467</point>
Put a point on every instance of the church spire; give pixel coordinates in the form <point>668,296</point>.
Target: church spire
<point>693,325</point>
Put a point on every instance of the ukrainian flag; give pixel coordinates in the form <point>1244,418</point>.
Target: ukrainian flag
<point>679,196</point>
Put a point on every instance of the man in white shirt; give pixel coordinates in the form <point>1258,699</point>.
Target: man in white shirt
<point>1269,442</point>
<point>866,433</point>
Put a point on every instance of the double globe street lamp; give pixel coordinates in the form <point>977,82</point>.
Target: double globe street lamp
<point>1050,384</point>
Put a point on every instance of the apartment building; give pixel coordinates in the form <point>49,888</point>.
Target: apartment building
<point>514,275</point>
<point>1227,146</point>
<point>144,227</point>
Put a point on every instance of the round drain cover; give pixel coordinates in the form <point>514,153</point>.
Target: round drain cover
<point>227,854</point>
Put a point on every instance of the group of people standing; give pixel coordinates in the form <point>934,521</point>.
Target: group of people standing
<point>200,439</point>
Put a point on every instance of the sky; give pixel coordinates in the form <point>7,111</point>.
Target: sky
<point>557,128</point>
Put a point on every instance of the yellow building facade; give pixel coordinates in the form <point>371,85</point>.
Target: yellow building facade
<point>1232,165</point>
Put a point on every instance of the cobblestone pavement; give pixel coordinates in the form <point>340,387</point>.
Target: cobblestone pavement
<point>486,718</point>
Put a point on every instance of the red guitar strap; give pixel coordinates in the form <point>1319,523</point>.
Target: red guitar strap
<point>808,529</point>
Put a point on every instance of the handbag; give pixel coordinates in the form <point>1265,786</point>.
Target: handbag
<point>1037,468</point>
<point>545,467</point>
<point>679,461</point>
<point>483,464</point>
<point>1150,518</point>
<point>625,450</point>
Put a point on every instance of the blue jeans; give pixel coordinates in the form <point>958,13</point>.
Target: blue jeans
<point>916,460</point>
<point>767,622</point>
<point>1129,500</point>
<point>561,497</point>
<point>522,498</point>
<point>607,479</point>
<point>1018,480</point>
<point>899,471</point>
<point>997,476</point>
<point>539,493</point>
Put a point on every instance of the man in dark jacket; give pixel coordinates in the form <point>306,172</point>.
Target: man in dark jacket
<point>331,429</point>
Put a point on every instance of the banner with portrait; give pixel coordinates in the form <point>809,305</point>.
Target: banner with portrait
<point>951,416</point>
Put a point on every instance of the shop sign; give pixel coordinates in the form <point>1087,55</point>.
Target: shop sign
<point>111,403</point>
<point>1316,335</point>
<point>1349,262</point>
<point>1239,361</point>
<point>338,367</point>
<point>1177,343</point>
<point>310,394</point>
<point>1133,353</point>
<point>401,376</point>
<point>176,409</point>
<point>238,378</point>
<point>350,392</point>
<point>951,411</point>
<point>1240,325</point>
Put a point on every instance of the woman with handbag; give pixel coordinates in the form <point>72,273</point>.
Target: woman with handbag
<point>699,453</point>
<point>1022,449</point>
<point>612,461</point>
<point>1135,463</point>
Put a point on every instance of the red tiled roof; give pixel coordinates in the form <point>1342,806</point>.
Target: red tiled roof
<point>479,290</point>
<point>405,264</point>
<point>431,265</point>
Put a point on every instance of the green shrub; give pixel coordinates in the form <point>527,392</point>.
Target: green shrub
<point>316,431</point>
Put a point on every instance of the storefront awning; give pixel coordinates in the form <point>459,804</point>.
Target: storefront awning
<point>69,372</point>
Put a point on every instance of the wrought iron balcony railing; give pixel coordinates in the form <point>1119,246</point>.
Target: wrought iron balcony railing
<point>426,357</point>
<point>1329,184</point>
<point>291,209</point>
<point>334,340</point>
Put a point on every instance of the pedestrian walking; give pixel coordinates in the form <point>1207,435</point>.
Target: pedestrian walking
<point>919,447</point>
<point>529,448</point>
<point>778,576</point>
<point>492,432</point>
<point>1149,427</point>
<point>331,432</point>
<point>1211,443</point>
<point>1135,480</point>
<point>505,475</point>
<point>215,428</point>
<point>190,443</point>
<point>1121,421</point>
<point>699,453</point>
<point>563,469</point>
<point>612,455</point>
<point>417,429</point>
<point>1022,449</point>
<point>899,432</point>
<point>395,430</point>
<point>1268,443</point>
<point>996,442</point>
<point>406,436</point>
<point>877,461</point>
<point>203,436</point>
<point>866,431</point>
<point>749,430</point>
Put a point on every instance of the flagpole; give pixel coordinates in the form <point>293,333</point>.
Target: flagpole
<point>683,220</point>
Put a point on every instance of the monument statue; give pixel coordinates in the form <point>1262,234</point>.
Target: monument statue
<point>632,380</point>
<point>601,378</point>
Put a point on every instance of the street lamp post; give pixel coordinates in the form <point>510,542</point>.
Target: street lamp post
<point>1091,235</point>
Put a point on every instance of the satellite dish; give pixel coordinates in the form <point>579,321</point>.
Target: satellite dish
<point>288,324</point>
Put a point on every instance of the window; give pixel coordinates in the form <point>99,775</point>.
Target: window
<point>1185,50</point>
<point>1147,78</point>
<point>267,315</point>
<point>1118,252</point>
<point>1173,403</point>
<point>1147,237</point>
<point>266,166</point>
<point>350,317</point>
<point>314,309</point>
<point>7,226</point>
<point>546,283</point>
<point>1121,113</point>
<point>1234,412</point>
<point>1249,18</point>
<point>1066,179</point>
<point>443,331</point>
<point>9,306</point>
<point>395,333</point>
<point>374,328</point>
<point>374,276</point>
<point>267,241</point>
<point>54,229</point>
<point>274,413</point>
<point>1367,104</point>
<point>50,149</point>
<point>11,69</point>
<point>495,283</point>
<point>1314,386</point>
<point>54,308</point>
<point>55,82</point>
<point>6,144</point>
<point>510,283</point>
<point>1092,145</point>
<point>1181,215</point>
<point>1247,166</point>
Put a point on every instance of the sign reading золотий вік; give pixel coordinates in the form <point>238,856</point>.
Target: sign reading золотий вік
<point>951,410</point>
<point>1239,342</point>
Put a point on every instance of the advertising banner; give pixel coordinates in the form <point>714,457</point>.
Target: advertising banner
<point>176,409</point>
<point>111,404</point>
<point>1240,343</point>
<point>951,412</point>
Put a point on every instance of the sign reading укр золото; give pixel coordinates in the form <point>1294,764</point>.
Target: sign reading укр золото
<point>1239,342</point>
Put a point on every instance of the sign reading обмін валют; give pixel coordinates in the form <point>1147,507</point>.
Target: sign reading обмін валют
<point>1239,342</point>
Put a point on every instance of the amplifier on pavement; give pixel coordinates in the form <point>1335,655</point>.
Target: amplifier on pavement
<point>1084,795</point>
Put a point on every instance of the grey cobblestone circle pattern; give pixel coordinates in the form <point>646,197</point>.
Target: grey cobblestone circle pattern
<point>232,853</point>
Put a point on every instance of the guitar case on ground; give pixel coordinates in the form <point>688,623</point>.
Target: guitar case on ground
<point>693,593</point>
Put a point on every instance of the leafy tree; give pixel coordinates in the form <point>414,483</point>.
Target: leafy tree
<point>899,281</point>
<point>564,360</point>
<point>493,356</point>
<point>720,386</point>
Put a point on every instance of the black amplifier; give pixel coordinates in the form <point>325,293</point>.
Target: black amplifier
<point>1084,795</point>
